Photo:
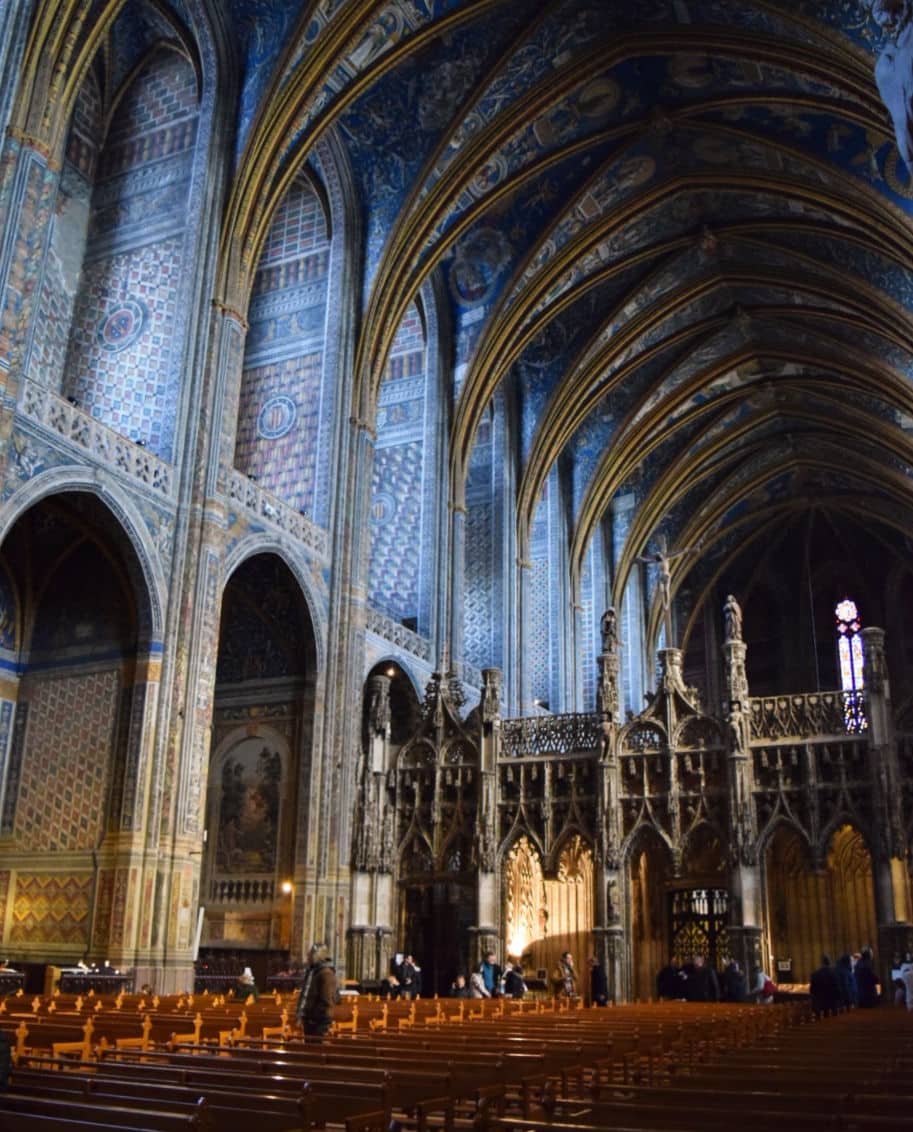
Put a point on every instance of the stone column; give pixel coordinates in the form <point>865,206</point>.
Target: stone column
<point>9,773</point>
<point>608,931</point>
<point>122,925</point>
<point>29,179</point>
<point>371,901</point>
<point>891,875</point>
<point>485,935</point>
<point>453,637</point>
<point>524,572</point>
<point>746,897</point>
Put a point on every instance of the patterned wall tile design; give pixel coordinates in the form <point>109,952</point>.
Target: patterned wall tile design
<point>126,389</point>
<point>51,908</point>
<point>282,386</point>
<point>396,507</point>
<point>395,530</point>
<point>537,633</point>
<point>65,766</point>
<point>478,583</point>
<point>84,140</point>
<point>277,427</point>
<point>121,348</point>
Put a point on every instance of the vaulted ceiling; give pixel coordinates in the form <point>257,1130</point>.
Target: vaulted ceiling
<point>675,235</point>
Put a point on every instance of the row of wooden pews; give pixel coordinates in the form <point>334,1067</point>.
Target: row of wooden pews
<point>492,1066</point>
<point>850,1073</point>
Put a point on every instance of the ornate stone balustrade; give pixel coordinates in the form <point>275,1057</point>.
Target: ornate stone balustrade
<point>550,735</point>
<point>787,718</point>
<point>263,504</point>
<point>242,891</point>
<point>398,635</point>
<point>104,444</point>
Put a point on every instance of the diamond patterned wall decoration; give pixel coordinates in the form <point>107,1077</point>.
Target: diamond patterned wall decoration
<point>52,908</point>
<point>63,783</point>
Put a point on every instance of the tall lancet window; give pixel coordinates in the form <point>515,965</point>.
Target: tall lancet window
<point>850,655</point>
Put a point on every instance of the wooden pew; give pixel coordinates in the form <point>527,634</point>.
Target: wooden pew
<point>15,1106</point>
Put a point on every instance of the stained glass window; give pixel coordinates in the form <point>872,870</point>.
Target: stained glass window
<point>850,657</point>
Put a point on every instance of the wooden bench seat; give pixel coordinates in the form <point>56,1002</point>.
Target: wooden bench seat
<point>231,1110</point>
<point>13,1105</point>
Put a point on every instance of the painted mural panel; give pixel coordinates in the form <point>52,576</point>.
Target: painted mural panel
<point>250,783</point>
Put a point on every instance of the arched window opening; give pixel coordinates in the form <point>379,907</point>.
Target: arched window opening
<point>850,659</point>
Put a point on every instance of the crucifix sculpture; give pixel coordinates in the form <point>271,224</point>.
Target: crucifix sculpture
<point>663,559</point>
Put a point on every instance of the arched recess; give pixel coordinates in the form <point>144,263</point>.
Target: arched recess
<point>525,906</point>
<point>404,703</point>
<point>569,905</point>
<point>810,912</point>
<point>262,740</point>
<point>112,307</point>
<point>649,874</point>
<point>699,900</point>
<point>402,565</point>
<point>287,396</point>
<point>79,678</point>
<point>435,800</point>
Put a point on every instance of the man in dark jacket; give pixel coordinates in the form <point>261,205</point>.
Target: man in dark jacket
<point>318,994</point>
<point>824,988</point>
<point>733,984</point>
<point>702,985</point>
<point>514,984</point>
<point>411,978</point>
<point>866,979</point>
<point>599,983</point>
<point>459,989</point>
<point>847,981</point>
<point>670,982</point>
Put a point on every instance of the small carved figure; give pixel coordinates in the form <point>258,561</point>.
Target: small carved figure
<point>609,630</point>
<point>379,704</point>
<point>732,616</point>
<point>612,913</point>
<point>491,695</point>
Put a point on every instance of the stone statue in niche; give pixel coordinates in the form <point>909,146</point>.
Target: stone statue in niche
<point>379,704</point>
<point>613,913</point>
<point>894,71</point>
<point>491,695</point>
<point>732,618</point>
<point>609,631</point>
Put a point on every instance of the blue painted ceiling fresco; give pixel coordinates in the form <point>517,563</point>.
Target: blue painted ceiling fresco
<point>659,226</point>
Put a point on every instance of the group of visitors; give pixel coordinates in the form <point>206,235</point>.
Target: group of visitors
<point>490,980</point>
<point>851,981</point>
<point>697,981</point>
<point>404,979</point>
<point>565,985</point>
